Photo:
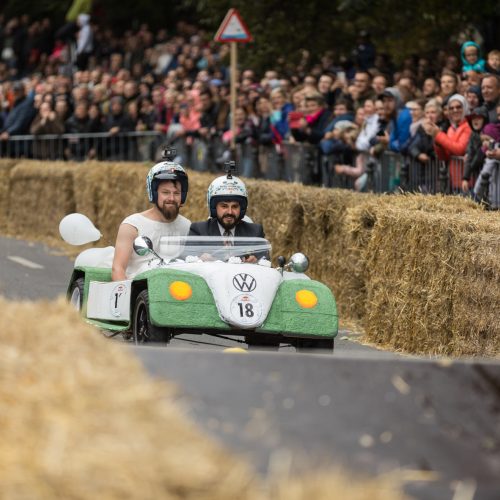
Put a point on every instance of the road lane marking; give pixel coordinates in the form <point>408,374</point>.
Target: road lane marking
<point>24,262</point>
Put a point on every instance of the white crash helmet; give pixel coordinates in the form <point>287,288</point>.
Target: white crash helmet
<point>227,188</point>
<point>166,170</point>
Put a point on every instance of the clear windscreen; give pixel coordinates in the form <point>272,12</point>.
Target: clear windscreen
<point>212,248</point>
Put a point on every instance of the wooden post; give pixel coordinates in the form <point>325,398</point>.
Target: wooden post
<point>234,63</point>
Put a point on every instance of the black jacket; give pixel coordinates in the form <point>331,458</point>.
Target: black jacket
<point>211,228</point>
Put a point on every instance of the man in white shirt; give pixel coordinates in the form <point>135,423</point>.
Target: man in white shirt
<point>167,187</point>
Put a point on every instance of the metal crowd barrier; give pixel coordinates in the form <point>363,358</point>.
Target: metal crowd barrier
<point>398,172</point>
<point>130,146</point>
<point>292,162</point>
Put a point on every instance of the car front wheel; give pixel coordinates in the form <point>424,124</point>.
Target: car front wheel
<point>143,330</point>
<point>76,294</point>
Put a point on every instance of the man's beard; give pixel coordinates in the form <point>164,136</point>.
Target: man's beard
<point>227,222</point>
<point>170,211</point>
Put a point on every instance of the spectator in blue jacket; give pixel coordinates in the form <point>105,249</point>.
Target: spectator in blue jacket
<point>279,114</point>
<point>399,120</point>
<point>19,119</point>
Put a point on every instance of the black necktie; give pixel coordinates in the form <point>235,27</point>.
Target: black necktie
<point>228,242</point>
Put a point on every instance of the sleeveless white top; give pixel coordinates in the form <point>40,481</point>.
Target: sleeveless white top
<point>155,231</point>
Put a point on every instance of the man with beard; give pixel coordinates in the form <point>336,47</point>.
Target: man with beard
<point>227,200</point>
<point>167,188</point>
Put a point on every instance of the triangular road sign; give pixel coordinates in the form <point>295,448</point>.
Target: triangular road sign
<point>233,29</point>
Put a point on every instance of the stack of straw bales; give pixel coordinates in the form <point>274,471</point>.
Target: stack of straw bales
<point>80,419</point>
<point>421,272</point>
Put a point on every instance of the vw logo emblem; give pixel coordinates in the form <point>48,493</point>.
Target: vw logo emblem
<point>244,283</point>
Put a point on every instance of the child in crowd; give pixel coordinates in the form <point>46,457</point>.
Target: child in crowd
<point>471,57</point>
<point>493,62</point>
<point>474,154</point>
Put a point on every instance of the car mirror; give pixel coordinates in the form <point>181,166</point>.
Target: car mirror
<point>299,263</point>
<point>143,245</point>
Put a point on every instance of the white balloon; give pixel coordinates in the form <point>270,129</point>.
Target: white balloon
<point>77,229</point>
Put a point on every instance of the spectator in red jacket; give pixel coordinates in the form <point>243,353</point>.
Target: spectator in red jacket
<point>454,141</point>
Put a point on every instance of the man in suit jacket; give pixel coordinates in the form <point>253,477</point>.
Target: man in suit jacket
<point>227,203</point>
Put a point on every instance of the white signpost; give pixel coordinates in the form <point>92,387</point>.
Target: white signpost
<point>233,30</point>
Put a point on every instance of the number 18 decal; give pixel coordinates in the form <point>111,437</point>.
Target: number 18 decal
<point>246,309</point>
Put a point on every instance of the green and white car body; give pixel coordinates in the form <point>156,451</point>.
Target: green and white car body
<point>204,286</point>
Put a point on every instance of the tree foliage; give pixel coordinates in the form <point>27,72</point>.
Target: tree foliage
<point>281,29</point>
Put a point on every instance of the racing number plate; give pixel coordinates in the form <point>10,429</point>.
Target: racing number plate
<point>246,309</point>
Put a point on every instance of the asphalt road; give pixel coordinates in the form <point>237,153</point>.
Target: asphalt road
<point>437,423</point>
<point>368,410</point>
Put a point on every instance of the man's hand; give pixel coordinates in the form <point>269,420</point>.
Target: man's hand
<point>250,259</point>
<point>206,257</point>
<point>384,139</point>
<point>495,154</point>
<point>465,186</point>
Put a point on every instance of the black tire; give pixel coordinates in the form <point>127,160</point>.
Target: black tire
<point>142,329</point>
<point>76,294</point>
<point>317,345</point>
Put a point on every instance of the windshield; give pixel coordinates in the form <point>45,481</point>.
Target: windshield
<point>210,248</point>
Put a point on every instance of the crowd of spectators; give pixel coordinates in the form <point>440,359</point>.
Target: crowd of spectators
<point>84,79</point>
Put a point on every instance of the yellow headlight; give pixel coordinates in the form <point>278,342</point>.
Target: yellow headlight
<point>306,298</point>
<point>180,290</point>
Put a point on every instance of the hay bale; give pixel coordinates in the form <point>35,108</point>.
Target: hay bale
<point>41,194</point>
<point>5,168</point>
<point>475,306</point>
<point>422,279</point>
<point>80,419</point>
<point>95,427</point>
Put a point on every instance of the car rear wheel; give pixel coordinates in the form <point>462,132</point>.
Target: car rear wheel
<point>316,345</point>
<point>143,330</point>
<point>76,294</point>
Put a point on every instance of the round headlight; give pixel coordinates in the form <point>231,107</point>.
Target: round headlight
<point>180,290</point>
<point>306,298</point>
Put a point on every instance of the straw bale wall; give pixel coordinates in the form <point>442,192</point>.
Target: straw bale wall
<point>432,273</point>
<point>421,272</point>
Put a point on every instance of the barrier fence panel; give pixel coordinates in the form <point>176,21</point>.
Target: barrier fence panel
<point>456,167</point>
<point>390,167</point>
<point>433,176</point>
<point>246,159</point>
<point>421,177</point>
<point>130,146</point>
<point>301,163</point>
<point>329,178</point>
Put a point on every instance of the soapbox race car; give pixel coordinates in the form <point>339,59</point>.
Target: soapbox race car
<point>203,285</point>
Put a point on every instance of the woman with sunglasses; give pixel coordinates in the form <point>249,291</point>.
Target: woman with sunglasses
<point>453,142</point>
